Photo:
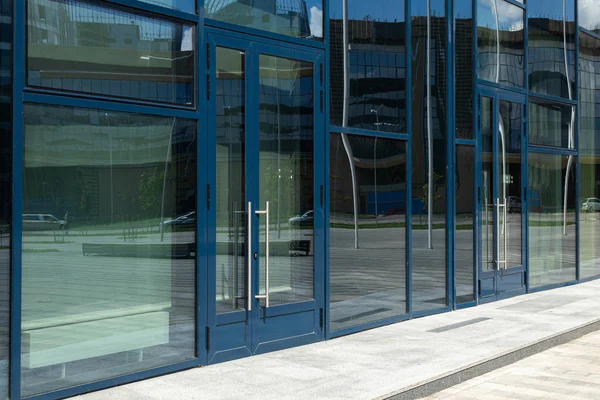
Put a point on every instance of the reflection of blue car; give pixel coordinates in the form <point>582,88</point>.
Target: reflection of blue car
<point>306,219</point>
<point>184,220</point>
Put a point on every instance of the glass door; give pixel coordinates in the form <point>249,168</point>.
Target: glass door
<point>265,118</point>
<point>500,194</point>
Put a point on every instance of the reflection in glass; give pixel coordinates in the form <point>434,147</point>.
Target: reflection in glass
<point>188,6</point>
<point>551,46</point>
<point>109,244</point>
<point>589,150</point>
<point>464,71</point>
<point>286,95</point>
<point>488,180</point>
<point>298,18</point>
<point>429,156</point>
<point>500,42</point>
<point>6,146</point>
<point>376,65</point>
<point>550,125</point>
<point>552,219</point>
<point>465,222</point>
<point>587,14</point>
<point>231,182</point>
<point>81,47</point>
<point>367,283</point>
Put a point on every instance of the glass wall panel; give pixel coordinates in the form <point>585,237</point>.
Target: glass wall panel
<point>589,150</point>
<point>552,47</point>
<point>552,219</point>
<point>82,47</point>
<point>109,244</point>
<point>500,42</point>
<point>367,229</point>
<point>6,134</point>
<point>376,78</point>
<point>465,222</point>
<point>188,6</point>
<point>429,156</point>
<point>231,179</point>
<point>298,18</point>
<point>551,125</point>
<point>464,70</point>
<point>588,16</point>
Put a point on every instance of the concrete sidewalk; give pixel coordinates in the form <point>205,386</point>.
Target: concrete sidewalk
<point>405,360</point>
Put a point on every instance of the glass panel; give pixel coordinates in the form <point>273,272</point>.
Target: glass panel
<point>588,17</point>
<point>501,42</point>
<point>188,6</point>
<point>231,179</point>
<point>367,229</point>
<point>548,42</point>
<point>6,134</point>
<point>429,156</point>
<point>298,18</point>
<point>464,73</point>
<point>286,93</point>
<point>511,183</point>
<point>90,48</point>
<point>589,150</point>
<point>465,222</point>
<point>552,219</point>
<point>551,125</point>
<point>376,65</point>
<point>488,216</point>
<point>109,264</point>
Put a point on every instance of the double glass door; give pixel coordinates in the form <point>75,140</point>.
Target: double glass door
<point>265,112</point>
<point>501,193</point>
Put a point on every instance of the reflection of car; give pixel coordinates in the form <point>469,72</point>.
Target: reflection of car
<point>514,204</point>
<point>184,220</point>
<point>42,222</point>
<point>591,204</point>
<point>305,219</point>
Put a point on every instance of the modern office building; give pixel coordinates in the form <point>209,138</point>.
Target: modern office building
<point>187,182</point>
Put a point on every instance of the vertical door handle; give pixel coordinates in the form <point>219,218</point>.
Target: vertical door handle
<point>266,295</point>
<point>249,256</point>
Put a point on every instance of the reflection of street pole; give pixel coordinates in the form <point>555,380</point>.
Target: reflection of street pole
<point>229,156</point>
<point>162,204</point>
<point>429,134</point>
<point>278,150</point>
<point>112,204</point>
<point>375,163</point>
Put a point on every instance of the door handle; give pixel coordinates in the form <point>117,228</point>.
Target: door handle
<point>499,233</point>
<point>249,256</point>
<point>265,296</point>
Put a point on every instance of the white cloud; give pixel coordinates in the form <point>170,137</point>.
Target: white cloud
<point>316,21</point>
<point>589,14</point>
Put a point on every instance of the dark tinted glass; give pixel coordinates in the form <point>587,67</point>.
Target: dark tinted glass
<point>588,16</point>
<point>552,219</point>
<point>551,125</point>
<point>367,229</point>
<point>109,265</point>
<point>465,223</point>
<point>6,99</point>
<point>589,150</point>
<point>551,47</point>
<point>182,5</point>
<point>464,72</point>
<point>429,160</point>
<point>91,48</point>
<point>376,75</point>
<point>500,42</point>
<point>298,18</point>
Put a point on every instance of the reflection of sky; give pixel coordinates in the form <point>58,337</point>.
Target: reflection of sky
<point>589,14</point>
<point>510,17</point>
<point>552,9</point>
<point>379,10</point>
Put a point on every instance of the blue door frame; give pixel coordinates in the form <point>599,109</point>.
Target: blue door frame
<point>261,329</point>
<point>503,280</point>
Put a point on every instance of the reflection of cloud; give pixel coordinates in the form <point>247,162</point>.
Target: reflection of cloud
<point>316,21</point>
<point>508,14</point>
<point>187,39</point>
<point>589,14</point>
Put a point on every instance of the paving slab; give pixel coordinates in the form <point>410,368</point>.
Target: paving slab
<point>405,360</point>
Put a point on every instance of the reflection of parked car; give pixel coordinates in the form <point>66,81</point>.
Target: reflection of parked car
<point>514,204</point>
<point>42,222</point>
<point>184,220</point>
<point>591,204</point>
<point>306,219</point>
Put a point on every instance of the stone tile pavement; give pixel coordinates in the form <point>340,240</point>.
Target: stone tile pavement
<point>568,371</point>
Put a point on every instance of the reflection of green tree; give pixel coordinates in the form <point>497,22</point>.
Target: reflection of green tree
<point>424,194</point>
<point>151,186</point>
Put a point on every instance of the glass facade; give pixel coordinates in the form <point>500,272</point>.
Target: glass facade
<point>199,180</point>
<point>108,258</point>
